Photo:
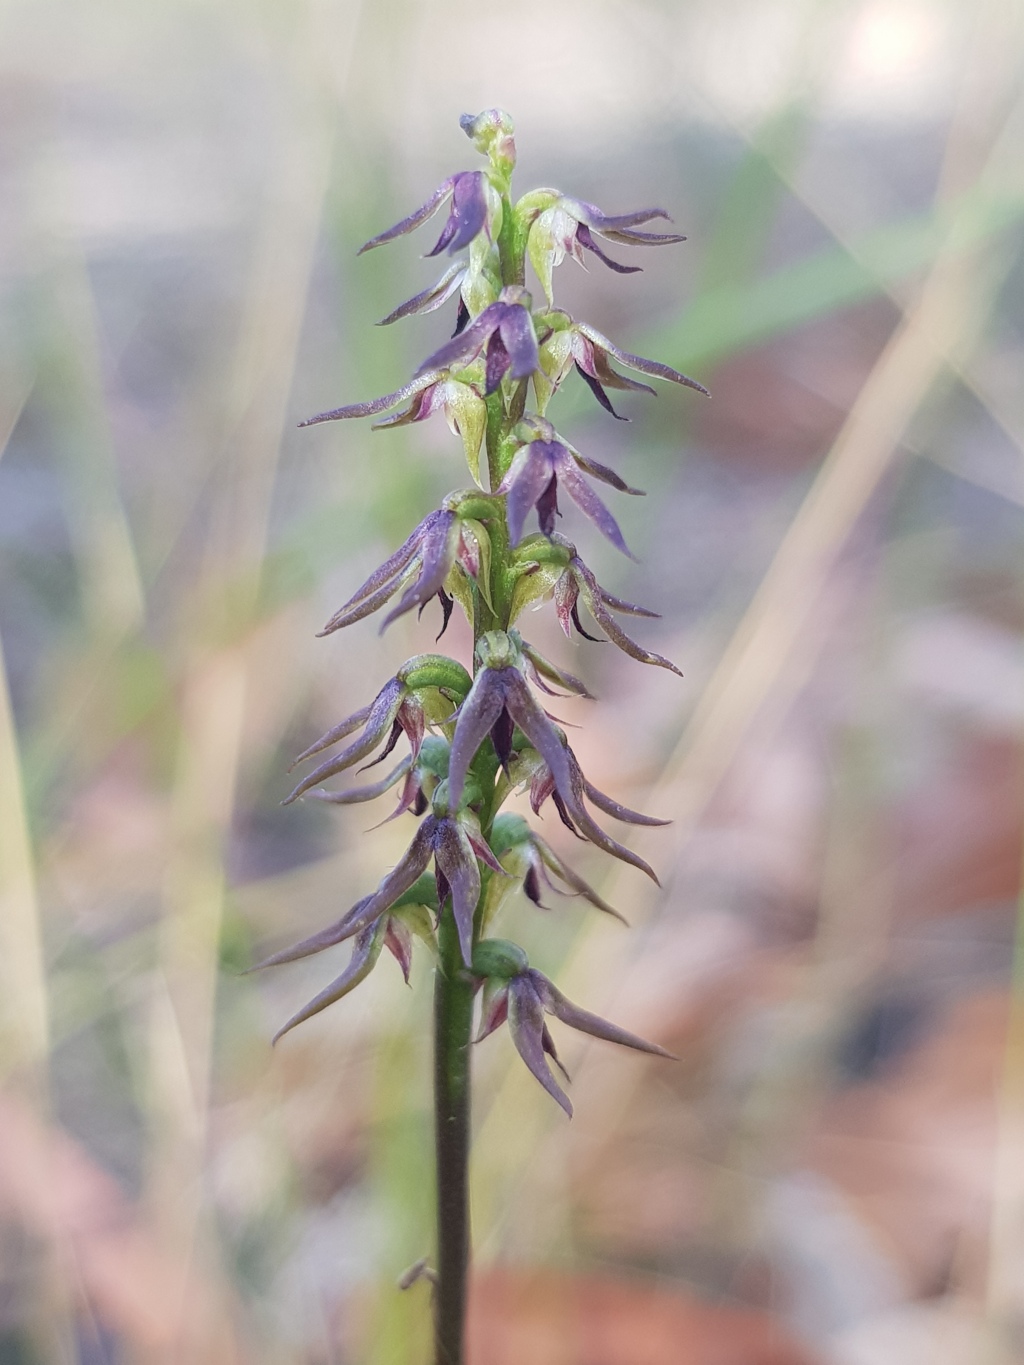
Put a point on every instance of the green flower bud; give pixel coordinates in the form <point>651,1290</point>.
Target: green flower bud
<point>498,957</point>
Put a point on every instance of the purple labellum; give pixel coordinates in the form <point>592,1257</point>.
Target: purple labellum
<point>498,363</point>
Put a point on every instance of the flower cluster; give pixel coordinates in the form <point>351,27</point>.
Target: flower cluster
<point>476,737</point>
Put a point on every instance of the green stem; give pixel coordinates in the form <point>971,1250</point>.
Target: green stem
<point>453,990</point>
<point>453,1022</point>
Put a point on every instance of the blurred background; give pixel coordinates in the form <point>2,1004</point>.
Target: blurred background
<point>833,1173</point>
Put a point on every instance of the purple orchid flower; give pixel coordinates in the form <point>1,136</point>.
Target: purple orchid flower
<point>442,540</point>
<point>503,332</point>
<point>578,582</point>
<point>434,297</point>
<point>523,998</point>
<point>577,345</point>
<point>393,928</point>
<point>499,700</point>
<point>470,194</point>
<point>566,227</point>
<point>533,478</point>
<point>398,708</point>
<point>431,391</point>
<point>522,851</point>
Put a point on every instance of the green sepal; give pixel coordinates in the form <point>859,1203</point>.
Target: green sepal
<point>459,585</point>
<point>508,831</point>
<point>434,755</point>
<point>498,957</point>
<point>472,795</point>
<point>419,919</point>
<point>423,892</point>
<point>435,670</point>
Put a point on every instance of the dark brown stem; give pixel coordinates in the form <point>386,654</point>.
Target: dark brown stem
<point>453,1022</point>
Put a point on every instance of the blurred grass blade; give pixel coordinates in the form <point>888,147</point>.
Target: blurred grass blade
<point>731,317</point>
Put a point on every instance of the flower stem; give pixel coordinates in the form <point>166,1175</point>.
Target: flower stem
<point>453,1021</point>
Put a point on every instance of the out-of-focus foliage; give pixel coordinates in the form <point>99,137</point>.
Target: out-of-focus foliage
<point>833,1172</point>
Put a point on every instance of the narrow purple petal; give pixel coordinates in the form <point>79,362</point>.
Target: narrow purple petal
<point>424,378</point>
<point>431,298</point>
<point>411,865</point>
<point>455,857</point>
<point>459,350</point>
<point>468,213</point>
<point>595,388</point>
<point>544,669</point>
<point>631,237</point>
<point>596,470</point>
<point>447,233</point>
<point>589,829</point>
<point>627,608</point>
<point>520,341</point>
<point>528,476</point>
<point>611,378</point>
<point>389,570</point>
<point>316,943</point>
<point>593,508</point>
<point>358,611</point>
<point>585,239</point>
<point>437,556</point>
<point>538,730</point>
<point>617,811</point>
<point>381,716</point>
<point>413,221</point>
<point>556,1003</point>
<point>592,216</point>
<point>365,952</point>
<point>477,714</point>
<point>483,852</point>
<point>571,878</point>
<point>526,1025</point>
<point>345,727</point>
<point>372,790</point>
<point>591,594</point>
<point>638,362</point>
<point>547,507</point>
